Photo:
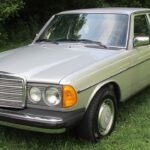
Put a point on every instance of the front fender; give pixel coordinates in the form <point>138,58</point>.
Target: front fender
<point>97,89</point>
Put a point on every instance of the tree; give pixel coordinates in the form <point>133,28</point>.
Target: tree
<point>9,8</point>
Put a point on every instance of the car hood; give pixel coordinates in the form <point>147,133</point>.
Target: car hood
<point>47,62</point>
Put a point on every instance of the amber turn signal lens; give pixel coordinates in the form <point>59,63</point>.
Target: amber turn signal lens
<point>69,96</point>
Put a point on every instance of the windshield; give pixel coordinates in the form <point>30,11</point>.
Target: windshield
<point>108,29</point>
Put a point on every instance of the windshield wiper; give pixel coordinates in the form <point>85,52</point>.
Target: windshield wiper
<point>56,41</point>
<point>65,39</point>
<point>92,42</point>
<point>81,40</point>
<point>46,40</point>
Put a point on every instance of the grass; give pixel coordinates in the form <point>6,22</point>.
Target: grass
<point>132,132</point>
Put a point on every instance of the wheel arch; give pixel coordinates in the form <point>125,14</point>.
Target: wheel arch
<point>110,84</point>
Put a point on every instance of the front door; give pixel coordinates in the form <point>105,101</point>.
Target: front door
<point>142,29</point>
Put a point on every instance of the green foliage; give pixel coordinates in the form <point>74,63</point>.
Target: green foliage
<point>20,32</point>
<point>123,3</point>
<point>21,19</point>
<point>25,30</point>
<point>9,8</point>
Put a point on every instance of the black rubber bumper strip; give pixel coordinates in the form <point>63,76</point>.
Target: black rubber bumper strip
<point>42,118</point>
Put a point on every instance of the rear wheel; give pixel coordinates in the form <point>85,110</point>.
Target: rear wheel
<point>100,117</point>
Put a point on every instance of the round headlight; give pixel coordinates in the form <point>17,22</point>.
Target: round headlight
<point>35,94</point>
<point>52,97</point>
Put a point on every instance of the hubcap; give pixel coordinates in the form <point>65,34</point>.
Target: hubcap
<point>106,116</point>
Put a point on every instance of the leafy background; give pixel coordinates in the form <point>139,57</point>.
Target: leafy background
<point>20,20</point>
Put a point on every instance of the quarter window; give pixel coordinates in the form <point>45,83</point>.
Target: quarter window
<point>141,26</point>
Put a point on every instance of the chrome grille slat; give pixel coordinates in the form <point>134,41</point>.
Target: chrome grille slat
<point>11,91</point>
<point>11,86</point>
<point>9,99</point>
<point>10,79</point>
<point>4,100</point>
<point>10,95</point>
<point>11,104</point>
<point>3,81</point>
<point>6,93</point>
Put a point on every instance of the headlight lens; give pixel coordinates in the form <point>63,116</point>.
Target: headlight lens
<point>35,94</point>
<point>52,96</point>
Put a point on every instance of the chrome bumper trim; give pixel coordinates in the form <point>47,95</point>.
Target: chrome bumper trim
<point>40,120</point>
<point>51,120</point>
<point>29,128</point>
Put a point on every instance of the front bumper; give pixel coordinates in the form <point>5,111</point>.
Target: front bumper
<point>40,120</point>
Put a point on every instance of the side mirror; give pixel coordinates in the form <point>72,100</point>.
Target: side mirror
<point>141,41</point>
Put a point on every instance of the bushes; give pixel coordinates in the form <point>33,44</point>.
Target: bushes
<point>19,32</point>
<point>3,36</point>
<point>22,30</point>
<point>9,8</point>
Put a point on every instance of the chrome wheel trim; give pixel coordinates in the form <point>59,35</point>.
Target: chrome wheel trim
<point>106,116</point>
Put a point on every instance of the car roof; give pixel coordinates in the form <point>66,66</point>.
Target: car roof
<point>115,10</point>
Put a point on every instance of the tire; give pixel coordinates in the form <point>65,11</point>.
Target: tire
<point>100,117</point>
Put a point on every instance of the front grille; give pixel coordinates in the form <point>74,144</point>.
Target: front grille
<point>12,91</point>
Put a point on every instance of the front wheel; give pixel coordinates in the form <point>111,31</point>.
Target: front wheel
<point>106,116</point>
<point>100,117</point>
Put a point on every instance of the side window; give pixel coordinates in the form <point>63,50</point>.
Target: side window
<point>141,26</point>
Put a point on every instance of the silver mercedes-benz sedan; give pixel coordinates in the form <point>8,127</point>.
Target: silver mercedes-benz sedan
<point>78,69</point>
